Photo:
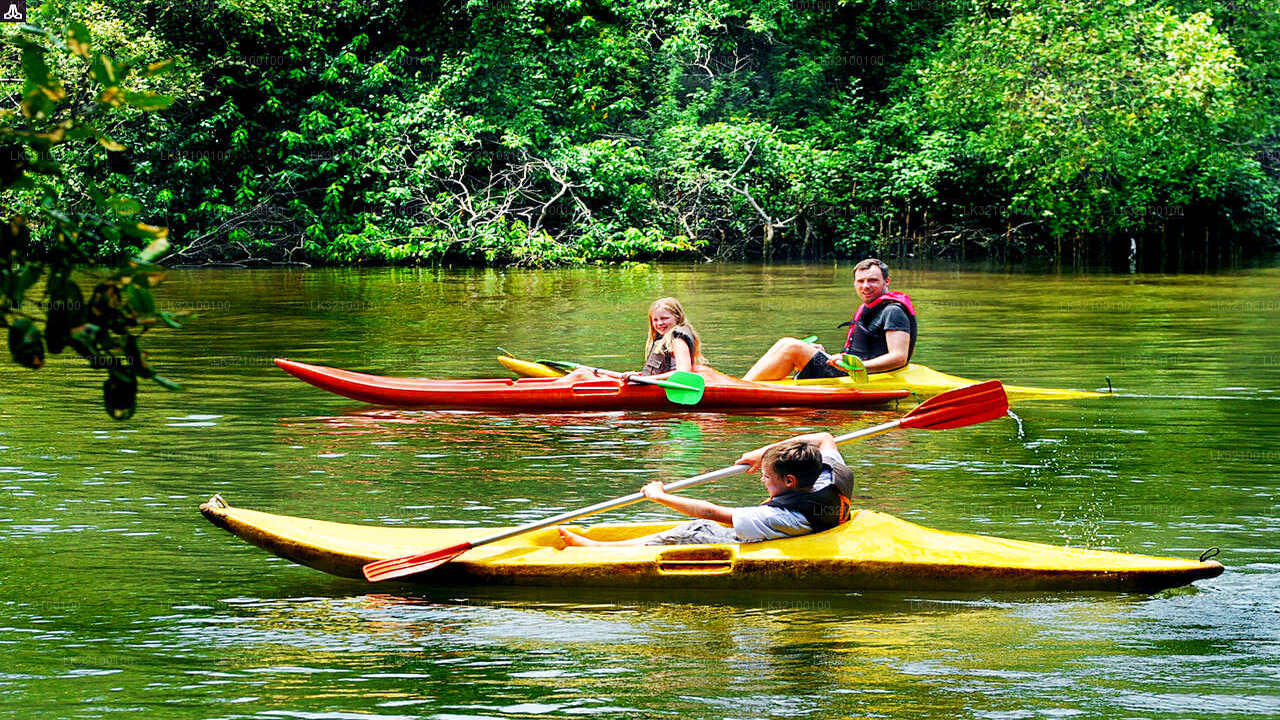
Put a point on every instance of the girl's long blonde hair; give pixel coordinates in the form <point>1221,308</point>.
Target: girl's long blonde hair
<point>665,342</point>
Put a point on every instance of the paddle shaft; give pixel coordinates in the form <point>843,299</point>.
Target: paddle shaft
<point>636,497</point>
<point>641,379</point>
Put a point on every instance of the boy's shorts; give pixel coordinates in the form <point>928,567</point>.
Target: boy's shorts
<point>695,532</point>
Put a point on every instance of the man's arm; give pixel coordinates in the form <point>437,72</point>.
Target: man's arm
<point>656,492</point>
<point>899,342</point>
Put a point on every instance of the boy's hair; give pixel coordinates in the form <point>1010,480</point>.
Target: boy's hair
<point>795,457</point>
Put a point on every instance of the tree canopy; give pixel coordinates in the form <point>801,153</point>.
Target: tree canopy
<point>537,132</point>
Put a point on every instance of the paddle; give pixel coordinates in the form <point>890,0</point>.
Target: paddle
<point>683,388</point>
<point>851,364</point>
<point>961,407</point>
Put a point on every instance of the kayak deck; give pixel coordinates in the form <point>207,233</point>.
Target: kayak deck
<point>924,381</point>
<point>873,551</point>
<point>564,394</point>
<point>921,380</point>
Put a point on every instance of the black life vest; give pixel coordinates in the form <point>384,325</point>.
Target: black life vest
<point>861,342</point>
<point>823,509</point>
<point>659,360</point>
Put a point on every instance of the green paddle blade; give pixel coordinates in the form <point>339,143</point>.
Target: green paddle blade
<point>852,364</point>
<point>811,338</point>
<point>683,388</point>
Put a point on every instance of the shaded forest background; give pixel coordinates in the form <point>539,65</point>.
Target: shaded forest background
<point>531,132</point>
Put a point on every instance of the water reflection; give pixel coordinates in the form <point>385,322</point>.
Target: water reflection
<point>118,598</point>
<point>479,651</point>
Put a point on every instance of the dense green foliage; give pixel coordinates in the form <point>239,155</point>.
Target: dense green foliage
<point>77,216</point>
<point>534,132</point>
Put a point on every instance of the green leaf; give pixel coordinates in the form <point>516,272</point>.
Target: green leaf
<point>21,281</point>
<point>32,29</point>
<point>157,248</point>
<point>84,339</point>
<point>66,310</point>
<point>149,232</point>
<point>82,131</point>
<point>157,67</point>
<point>34,66</point>
<point>120,395</point>
<point>26,344</point>
<point>166,383</point>
<point>78,38</point>
<point>124,205</point>
<point>140,299</point>
<point>105,70</point>
<point>147,100</point>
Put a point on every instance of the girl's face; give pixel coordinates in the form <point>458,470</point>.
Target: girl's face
<point>662,320</point>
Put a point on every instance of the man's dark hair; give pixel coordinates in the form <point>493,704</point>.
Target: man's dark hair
<point>873,262</point>
<point>795,457</point>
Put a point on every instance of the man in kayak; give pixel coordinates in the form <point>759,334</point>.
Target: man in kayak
<point>882,334</point>
<point>808,484</point>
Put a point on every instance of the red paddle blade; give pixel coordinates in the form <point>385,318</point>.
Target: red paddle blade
<point>961,407</point>
<point>412,564</point>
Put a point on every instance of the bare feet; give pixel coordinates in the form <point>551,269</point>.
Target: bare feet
<point>572,539</point>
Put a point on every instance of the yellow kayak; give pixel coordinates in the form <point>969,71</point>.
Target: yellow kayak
<point>528,368</point>
<point>921,380</point>
<point>872,551</point>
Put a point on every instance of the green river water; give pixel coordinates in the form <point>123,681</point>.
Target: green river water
<point>119,600</point>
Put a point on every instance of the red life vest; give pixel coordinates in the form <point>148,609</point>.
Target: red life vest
<point>868,312</point>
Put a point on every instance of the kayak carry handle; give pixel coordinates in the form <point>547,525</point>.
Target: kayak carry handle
<point>1210,553</point>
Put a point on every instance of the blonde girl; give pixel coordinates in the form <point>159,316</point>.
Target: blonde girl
<point>673,344</point>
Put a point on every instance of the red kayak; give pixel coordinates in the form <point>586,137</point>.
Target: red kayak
<point>560,394</point>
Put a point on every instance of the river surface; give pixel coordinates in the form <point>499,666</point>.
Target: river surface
<point>120,601</point>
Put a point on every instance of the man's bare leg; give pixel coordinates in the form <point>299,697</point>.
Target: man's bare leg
<point>785,358</point>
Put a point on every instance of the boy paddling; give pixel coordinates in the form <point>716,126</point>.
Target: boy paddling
<point>809,488</point>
